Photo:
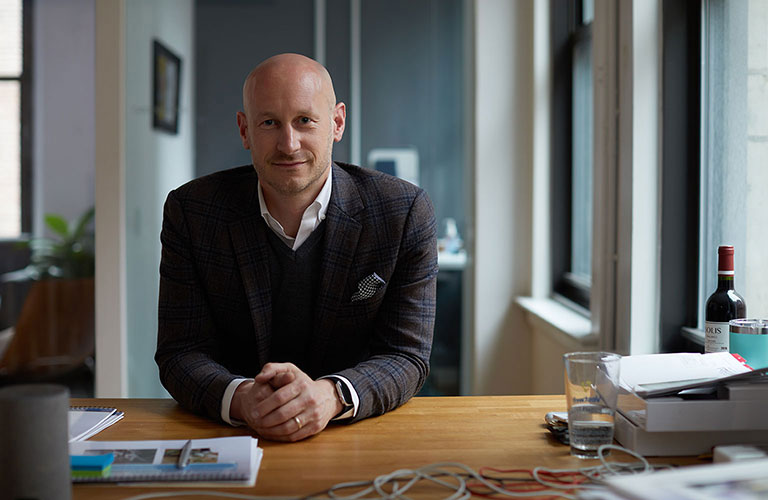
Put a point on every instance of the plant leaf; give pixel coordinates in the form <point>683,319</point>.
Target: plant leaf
<point>66,255</point>
<point>57,224</point>
<point>82,223</point>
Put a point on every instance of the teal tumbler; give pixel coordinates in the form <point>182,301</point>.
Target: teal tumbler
<point>749,339</point>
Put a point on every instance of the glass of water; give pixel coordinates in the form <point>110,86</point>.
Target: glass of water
<point>592,390</point>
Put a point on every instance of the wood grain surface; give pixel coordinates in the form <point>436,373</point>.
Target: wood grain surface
<point>499,431</point>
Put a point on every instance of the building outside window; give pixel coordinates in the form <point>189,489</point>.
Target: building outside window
<point>11,88</point>
<point>734,148</point>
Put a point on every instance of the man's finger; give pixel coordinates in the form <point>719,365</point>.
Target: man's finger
<point>254,393</point>
<point>281,379</point>
<point>294,429</point>
<point>280,397</point>
<point>270,370</point>
<point>285,414</point>
<point>260,392</point>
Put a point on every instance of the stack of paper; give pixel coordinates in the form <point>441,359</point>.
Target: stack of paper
<point>227,461</point>
<point>657,374</point>
<point>85,421</point>
<point>686,403</point>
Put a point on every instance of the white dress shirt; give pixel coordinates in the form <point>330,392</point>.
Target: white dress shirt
<point>312,217</point>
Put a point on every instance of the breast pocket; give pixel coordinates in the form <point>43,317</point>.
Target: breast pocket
<point>362,308</point>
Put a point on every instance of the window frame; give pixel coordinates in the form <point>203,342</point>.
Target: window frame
<point>566,31</point>
<point>681,160</point>
<point>26,117</point>
<point>11,257</point>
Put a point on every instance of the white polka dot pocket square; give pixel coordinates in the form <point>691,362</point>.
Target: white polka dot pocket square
<point>367,287</point>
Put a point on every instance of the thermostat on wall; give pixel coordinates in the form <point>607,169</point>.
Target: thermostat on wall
<point>400,162</point>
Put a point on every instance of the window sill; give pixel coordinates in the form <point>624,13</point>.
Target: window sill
<point>564,325</point>
<point>693,334</point>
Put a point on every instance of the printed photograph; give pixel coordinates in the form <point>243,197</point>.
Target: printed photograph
<point>197,456</point>
<point>146,456</point>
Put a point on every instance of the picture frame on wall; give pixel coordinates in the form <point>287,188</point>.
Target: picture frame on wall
<point>166,78</point>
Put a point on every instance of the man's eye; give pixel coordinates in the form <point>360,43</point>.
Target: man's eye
<point>305,120</point>
<point>268,123</point>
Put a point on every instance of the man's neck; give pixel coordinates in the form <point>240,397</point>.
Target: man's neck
<point>289,209</point>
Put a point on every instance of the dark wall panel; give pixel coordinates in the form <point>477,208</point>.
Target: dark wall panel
<point>412,91</point>
<point>232,37</point>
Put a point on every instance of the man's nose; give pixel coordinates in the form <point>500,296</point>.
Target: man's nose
<point>288,141</point>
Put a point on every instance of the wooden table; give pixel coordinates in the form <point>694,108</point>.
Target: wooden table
<point>500,431</point>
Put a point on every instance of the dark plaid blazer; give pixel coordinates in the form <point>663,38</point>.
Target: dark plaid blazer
<point>215,298</point>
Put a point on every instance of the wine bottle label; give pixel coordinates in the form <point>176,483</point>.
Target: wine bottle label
<point>716,337</point>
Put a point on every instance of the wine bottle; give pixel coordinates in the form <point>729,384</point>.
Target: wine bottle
<point>723,305</point>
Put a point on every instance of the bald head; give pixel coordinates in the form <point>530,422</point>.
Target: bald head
<point>285,70</point>
<point>290,121</point>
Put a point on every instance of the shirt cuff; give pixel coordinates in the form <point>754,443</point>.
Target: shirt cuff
<point>355,398</point>
<point>226,401</point>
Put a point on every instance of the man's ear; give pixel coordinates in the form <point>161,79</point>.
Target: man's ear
<point>242,125</point>
<point>339,121</point>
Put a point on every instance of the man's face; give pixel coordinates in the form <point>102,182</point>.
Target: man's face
<point>289,125</point>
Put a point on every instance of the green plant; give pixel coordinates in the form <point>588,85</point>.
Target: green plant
<point>67,255</point>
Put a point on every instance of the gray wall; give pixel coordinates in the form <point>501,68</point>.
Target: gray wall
<point>63,121</point>
<point>411,79</point>
<point>337,43</point>
<point>233,36</point>
<point>412,91</point>
<point>155,162</point>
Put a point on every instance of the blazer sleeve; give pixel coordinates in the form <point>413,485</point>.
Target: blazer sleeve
<point>404,327</point>
<point>187,352</point>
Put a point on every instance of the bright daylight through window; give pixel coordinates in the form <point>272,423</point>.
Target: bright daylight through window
<point>581,203</point>
<point>734,148</point>
<point>10,118</point>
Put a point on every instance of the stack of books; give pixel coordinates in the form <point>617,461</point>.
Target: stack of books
<point>687,403</point>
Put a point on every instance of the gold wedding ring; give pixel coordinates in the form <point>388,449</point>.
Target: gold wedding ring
<point>298,422</point>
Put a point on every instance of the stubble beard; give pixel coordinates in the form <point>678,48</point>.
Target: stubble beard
<point>293,186</point>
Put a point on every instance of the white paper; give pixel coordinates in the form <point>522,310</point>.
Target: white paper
<point>739,480</point>
<point>85,422</point>
<point>641,371</point>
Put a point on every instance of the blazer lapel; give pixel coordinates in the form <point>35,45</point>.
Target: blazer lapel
<point>249,243</point>
<point>342,232</point>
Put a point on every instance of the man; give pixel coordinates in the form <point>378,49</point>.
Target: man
<point>315,278</point>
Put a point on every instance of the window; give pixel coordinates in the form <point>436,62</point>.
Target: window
<point>679,263</point>
<point>14,136</point>
<point>734,147</point>
<point>572,150</point>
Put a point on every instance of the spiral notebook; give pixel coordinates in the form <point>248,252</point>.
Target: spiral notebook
<point>85,421</point>
<point>226,461</point>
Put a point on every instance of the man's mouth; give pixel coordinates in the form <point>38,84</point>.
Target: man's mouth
<point>289,163</point>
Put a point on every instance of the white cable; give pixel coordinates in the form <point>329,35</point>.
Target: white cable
<point>423,473</point>
<point>601,455</point>
<point>598,473</point>
<point>429,472</point>
<point>394,485</point>
<point>356,484</point>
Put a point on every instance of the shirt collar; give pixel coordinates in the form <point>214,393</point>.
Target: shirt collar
<point>322,200</point>
<point>315,211</point>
